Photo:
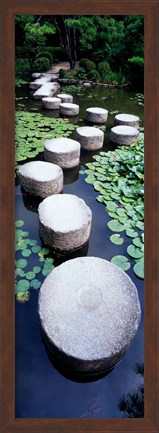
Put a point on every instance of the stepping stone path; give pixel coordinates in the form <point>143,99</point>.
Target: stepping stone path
<point>124,135</point>
<point>96,115</point>
<point>36,84</point>
<point>36,75</point>
<point>41,178</point>
<point>90,312</point>
<point>68,109</point>
<point>65,98</point>
<point>90,138</point>
<point>127,119</point>
<point>51,103</point>
<point>47,90</point>
<point>65,222</point>
<point>64,152</point>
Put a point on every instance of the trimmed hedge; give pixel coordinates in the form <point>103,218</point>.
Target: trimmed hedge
<point>41,64</point>
<point>45,54</point>
<point>104,68</point>
<point>87,64</point>
<point>94,76</point>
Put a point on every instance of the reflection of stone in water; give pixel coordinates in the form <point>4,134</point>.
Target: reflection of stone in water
<point>31,202</point>
<point>71,175</point>
<point>73,119</point>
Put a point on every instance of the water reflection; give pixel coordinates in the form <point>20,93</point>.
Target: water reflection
<point>132,404</point>
<point>63,364</point>
<point>71,175</point>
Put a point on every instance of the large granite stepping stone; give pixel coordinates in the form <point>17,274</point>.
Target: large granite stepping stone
<point>96,115</point>
<point>68,109</point>
<point>127,119</point>
<point>90,313</point>
<point>51,103</point>
<point>65,97</point>
<point>90,138</point>
<point>65,222</point>
<point>36,84</point>
<point>47,90</point>
<point>64,152</point>
<point>36,75</point>
<point>124,135</point>
<point>41,178</point>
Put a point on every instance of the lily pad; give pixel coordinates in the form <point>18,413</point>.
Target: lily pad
<point>21,263</point>
<point>117,239</point>
<point>35,284</point>
<point>19,223</point>
<point>30,275</point>
<point>134,252</point>
<point>26,252</point>
<point>115,226</point>
<point>131,233</point>
<point>22,285</point>
<point>121,261</point>
<point>139,269</point>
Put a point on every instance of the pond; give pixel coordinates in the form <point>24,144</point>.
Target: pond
<point>42,389</point>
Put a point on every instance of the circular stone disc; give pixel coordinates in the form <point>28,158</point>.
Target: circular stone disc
<point>125,130</point>
<point>89,131</point>
<point>90,312</point>
<point>64,213</point>
<point>40,171</point>
<point>62,145</point>
<point>47,99</point>
<point>127,117</point>
<point>64,95</point>
<point>97,110</point>
<point>69,105</point>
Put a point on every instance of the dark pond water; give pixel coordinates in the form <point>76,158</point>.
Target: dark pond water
<point>41,390</point>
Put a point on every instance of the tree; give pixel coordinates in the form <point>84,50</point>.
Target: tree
<point>132,404</point>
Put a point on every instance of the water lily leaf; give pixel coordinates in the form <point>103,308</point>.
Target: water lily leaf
<point>121,261</point>
<point>121,212</point>
<point>115,226</point>
<point>19,223</point>
<point>23,297</point>
<point>21,263</point>
<point>26,252</point>
<point>117,239</point>
<point>46,272</point>
<point>138,269</point>
<point>140,225</point>
<point>100,198</point>
<point>22,286</point>
<point>30,275</point>
<point>111,206</point>
<point>112,214</point>
<point>90,179</point>
<point>19,272</point>
<point>35,284</point>
<point>131,233</point>
<point>36,269</point>
<point>134,252</point>
<point>137,242</point>
<point>36,249</point>
<point>32,242</point>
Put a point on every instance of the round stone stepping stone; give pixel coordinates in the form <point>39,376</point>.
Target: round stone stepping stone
<point>64,152</point>
<point>51,103</point>
<point>65,98</point>
<point>96,115</point>
<point>90,138</point>
<point>127,119</point>
<point>68,109</point>
<point>65,222</point>
<point>90,312</point>
<point>41,178</point>
<point>123,134</point>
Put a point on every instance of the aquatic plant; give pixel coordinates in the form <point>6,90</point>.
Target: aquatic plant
<point>31,265</point>
<point>32,129</point>
<point>118,176</point>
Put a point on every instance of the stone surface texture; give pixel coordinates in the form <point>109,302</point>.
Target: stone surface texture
<point>41,178</point>
<point>51,103</point>
<point>36,75</point>
<point>90,138</point>
<point>40,82</point>
<point>90,312</point>
<point>65,222</point>
<point>96,115</point>
<point>68,109</point>
<point>64,152</point>
<point>127,119</point>
<point>124,135</point>
<point>47,90</point>
<point>65,97</point>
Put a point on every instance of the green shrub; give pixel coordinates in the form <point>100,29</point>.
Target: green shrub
<point>136,72</point>
<point>87,64</point>
<point>45,54</point>
<point>103,68</point>
<point>62,73</point>
<point>81,73</point>
<point>41,64</point>
<point>58,53</point>
<point>22,66</point>
<point>93,76</point>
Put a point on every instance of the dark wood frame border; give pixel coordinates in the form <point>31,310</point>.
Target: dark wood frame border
<point>150,9</point>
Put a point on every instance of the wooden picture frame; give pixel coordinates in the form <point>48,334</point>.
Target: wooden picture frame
<point>150,9</point>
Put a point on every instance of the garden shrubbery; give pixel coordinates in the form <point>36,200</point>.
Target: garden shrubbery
<point>45,54</point>
<point>104,68</point>
<point>41,64</point>
<point>87,64</point>
<point>22,66</point>
<point>93,76</point>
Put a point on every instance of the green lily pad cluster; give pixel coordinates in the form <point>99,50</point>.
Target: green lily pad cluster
<point>140,99</point>
<point>74,88</point>
<point>118,176</point>
<point>32,129</point>
<point>28,276</point>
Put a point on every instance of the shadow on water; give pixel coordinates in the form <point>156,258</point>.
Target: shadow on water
<point>64,367</point>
